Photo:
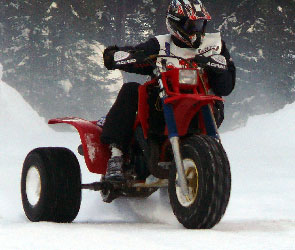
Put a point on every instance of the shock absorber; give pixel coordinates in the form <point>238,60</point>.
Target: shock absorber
<point>174,140</point>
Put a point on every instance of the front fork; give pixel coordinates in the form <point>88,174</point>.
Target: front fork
<point>174,140</point>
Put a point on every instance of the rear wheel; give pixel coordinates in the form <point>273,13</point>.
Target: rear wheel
<point>51,185</point>
<point>208,176</point>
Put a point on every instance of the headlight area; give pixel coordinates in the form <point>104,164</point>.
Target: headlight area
<point>188,76</point>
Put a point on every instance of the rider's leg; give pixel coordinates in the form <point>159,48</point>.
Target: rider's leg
<point>118,128</point>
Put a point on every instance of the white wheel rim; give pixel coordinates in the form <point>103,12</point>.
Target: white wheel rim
<point>33,185</point>
<point>192,175</point>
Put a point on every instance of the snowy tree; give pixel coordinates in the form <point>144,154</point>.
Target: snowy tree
<point>51,51</point>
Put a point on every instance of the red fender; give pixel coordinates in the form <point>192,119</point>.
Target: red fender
<point>96,154</point>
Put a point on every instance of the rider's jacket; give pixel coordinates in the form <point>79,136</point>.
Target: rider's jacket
<point>221,83</point>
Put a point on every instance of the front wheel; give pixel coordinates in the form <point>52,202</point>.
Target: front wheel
<point>51,185</point>
<point>208,177</point>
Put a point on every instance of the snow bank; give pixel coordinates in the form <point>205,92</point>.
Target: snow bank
<point>262,157</point>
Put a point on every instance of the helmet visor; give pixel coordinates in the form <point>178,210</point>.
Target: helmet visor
<point>192,27</point>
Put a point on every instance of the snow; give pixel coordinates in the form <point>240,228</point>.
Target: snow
<point>251,29</point>
<point>249,58</point>
<point>116,75</point>
<point>260,215</point>
<point>280,9</point>
<point>66,85</point>
<point>228,20</point>
<point>260,53</point>
<point>52,6</point>
<point>74,12</point>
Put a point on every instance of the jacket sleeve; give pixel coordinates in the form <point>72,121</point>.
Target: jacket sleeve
<point>151,47</point>
<point>223,83</point>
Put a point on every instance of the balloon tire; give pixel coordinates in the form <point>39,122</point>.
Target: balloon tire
<point>60,194</point>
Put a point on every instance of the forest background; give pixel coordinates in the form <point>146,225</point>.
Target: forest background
<point>51,51</point>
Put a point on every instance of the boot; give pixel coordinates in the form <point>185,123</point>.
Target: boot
<point>114,169</point>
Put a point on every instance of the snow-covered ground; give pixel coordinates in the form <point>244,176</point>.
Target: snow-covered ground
<point>261,212</point>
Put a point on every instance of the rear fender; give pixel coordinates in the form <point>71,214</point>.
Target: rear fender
<point>96,154</point>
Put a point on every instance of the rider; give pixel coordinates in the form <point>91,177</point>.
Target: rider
<point>186,22</point>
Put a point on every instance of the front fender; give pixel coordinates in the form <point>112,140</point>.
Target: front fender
<point>96,154</point>
<point>186,106</point>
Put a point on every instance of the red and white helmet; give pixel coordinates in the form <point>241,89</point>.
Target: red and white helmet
<point>186,20</point>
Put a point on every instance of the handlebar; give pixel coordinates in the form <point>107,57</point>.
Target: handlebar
<point>123,58</point>
<point>197,59</point>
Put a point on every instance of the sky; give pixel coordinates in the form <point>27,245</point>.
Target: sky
<point>260,215</point>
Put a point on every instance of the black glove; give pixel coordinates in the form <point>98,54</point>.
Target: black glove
<point>216,64</point>
<point>139,55</point>
<point>201,60</point>
<point>108,57</point>
<point>125,58</point>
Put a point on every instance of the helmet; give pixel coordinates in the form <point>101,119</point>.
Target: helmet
<point>186,20</point>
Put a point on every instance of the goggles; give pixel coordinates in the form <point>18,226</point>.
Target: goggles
<point>192,27</point>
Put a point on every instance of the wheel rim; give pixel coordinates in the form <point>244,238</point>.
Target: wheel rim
<point>192,177</point>
<point>33,185</point>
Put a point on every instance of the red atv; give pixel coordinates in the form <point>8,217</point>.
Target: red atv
<point>190,162</point>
